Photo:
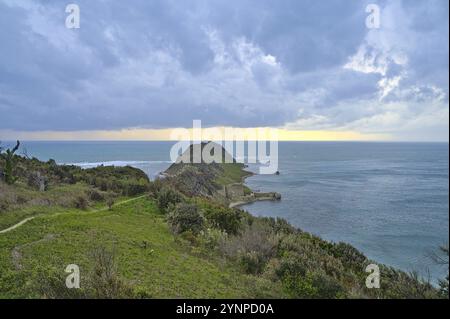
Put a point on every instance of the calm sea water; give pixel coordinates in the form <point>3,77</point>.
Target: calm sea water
<point>390,200</point>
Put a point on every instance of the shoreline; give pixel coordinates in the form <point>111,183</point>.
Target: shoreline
<point>255,196</point>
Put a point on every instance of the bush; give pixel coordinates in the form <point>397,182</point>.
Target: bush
<point>101,282</point>
<point>37,181</point>
<point>110,202</point>
<point>349,255</point>
<point>155,187</point>
<point>400,285</point>
<point>253,248</point>
<point>301,282</point>
<point>280,225</point>
<point>185,217</point>
<point>168,197</point>
<point>4,204</point>
<point>104,278</point>
<point>135,188</point>
<point>81,202</point>
<point>327,287</point>
<point>252,262</point>
<point>223,218</point>
<point>211,238</point>
<point>299,286</point>
<point>95,195</point>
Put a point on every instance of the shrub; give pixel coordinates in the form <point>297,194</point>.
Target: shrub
<point>141,293</point>
<point>253,248</point>
<point>50,284</point>
<point>101,282</point>
<point>168,197</point>
<point>311,255</point>
<point>211,238</point>
<point>21,199</point>
<point>280,225</point>
<point>110,202</point>
<point>189,236</point>
<point>99,182</point>
<point>299,286</point>
<point>4,204</point>
<point>400,285</point>
<point>185,217</point>
<point>81,202</point>
<point>104,278</point>
<point>223,218</point>
<point>348,254</point>
<point>300,281</point>
<point>327,287</point>
<point>95,195</point>
<point>134,188</point>
<point>252,262</point>
<point>10,163</point>
<point>38,181</point>
<point>155,187</point>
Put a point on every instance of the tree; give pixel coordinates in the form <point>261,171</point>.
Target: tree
<point>441,258</point>
<point>9,156</point>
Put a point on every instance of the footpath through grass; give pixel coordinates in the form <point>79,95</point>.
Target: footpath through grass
<point>148,256</point>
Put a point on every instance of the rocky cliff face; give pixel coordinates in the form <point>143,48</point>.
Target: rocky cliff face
<point>223,182</point>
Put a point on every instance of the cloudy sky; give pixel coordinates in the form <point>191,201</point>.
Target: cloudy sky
<point>142,67</point>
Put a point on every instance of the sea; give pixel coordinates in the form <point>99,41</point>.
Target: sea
<point>390,200</point>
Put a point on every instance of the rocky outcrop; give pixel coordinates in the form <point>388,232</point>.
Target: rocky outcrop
<point>201,179</point>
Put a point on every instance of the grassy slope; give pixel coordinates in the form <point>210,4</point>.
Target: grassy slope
<point>56,199</point>
<point>149,257</point>
<point>165,268</point>
<point>233,173</point>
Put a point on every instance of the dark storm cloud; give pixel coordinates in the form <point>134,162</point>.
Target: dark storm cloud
<point>153,64</point>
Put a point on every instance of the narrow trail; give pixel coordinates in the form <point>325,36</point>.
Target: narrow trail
<point>56,214</point>
<point>17,225</point>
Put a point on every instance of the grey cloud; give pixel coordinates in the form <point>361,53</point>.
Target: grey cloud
<point>246,63</point>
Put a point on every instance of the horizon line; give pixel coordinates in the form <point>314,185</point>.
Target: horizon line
<point>174,141</point>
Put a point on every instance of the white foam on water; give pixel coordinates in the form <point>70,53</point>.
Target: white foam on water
<point>115,163</point>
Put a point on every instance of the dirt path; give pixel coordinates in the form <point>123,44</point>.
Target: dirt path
<point>17,225</point>
<point>93,211</point>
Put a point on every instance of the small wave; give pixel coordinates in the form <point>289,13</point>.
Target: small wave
<point>115,163</point>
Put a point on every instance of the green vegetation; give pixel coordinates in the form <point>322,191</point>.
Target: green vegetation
<point>149,259</point>
<point>441,258</point>
<point>9,157</point>
<point>132,238</point>
<point>185,218</point>
<point>232,173</point>
<point>66,187</point>
<point>167,198</point>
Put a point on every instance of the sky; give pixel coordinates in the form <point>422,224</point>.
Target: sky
<point>137,69</point>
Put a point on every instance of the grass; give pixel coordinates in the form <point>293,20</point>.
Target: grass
<point>26,203</point>
<point>149,257</point>
<point>255,258</point>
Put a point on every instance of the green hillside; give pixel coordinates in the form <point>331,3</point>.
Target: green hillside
<point>133,238</point>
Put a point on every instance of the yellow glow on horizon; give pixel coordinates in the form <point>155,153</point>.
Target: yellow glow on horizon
<point>207,134</point>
